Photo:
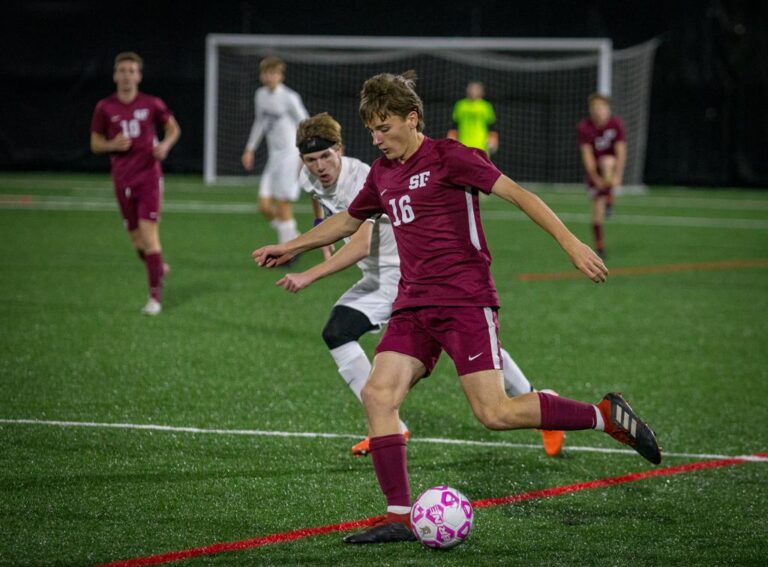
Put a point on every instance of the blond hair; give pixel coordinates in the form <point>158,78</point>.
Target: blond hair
<point>129,56</point>
<point>387,94</point>
<point>272,64</point>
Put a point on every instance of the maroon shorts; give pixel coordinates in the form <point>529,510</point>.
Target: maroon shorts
<point>140,201</point>
<point>470,336</point>
<point>594,192</point>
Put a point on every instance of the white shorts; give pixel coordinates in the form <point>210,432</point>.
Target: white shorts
<point>374,294</point>
<point>280,178</point>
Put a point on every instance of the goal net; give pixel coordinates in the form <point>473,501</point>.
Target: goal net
<point>538,87</point>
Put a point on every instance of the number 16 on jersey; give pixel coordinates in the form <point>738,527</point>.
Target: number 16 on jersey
<point>402,212</point>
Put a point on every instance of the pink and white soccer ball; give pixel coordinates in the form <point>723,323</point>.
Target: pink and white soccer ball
<point>441,517</point>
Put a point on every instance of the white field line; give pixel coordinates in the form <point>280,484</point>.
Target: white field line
<point>75,204</point>
<point>567,191</point>
<point>644,200</point>
<point>70,204</point>
<point>570,193</point>
<point>696,203</point>
<point>651,202</point>
<point>102,184</point>
<point>643,220</point>
<point>313,435</point>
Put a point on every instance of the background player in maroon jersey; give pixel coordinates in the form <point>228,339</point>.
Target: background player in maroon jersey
<point>124,125</point>
<point>603,147</point>
<point>446,299</point>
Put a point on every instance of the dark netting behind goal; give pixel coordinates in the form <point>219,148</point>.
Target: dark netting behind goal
<point>538,97</point>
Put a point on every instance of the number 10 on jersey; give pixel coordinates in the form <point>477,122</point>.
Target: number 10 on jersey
<point>131,128</point>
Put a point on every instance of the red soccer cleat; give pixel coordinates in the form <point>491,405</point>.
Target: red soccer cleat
<point>623,424</point>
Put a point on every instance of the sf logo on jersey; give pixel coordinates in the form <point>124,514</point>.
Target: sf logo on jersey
<point>604,142</point>
<point>418,181</point>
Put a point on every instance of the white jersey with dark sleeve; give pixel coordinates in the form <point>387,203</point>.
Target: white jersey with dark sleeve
<point>277,115</point>
<point>338,198</point>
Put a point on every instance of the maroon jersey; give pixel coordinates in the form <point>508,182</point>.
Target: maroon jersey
<point>603,140</point>
<point>138,121</point>
<point>432,201</point>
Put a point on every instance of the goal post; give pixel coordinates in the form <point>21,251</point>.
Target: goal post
<point>538,88</point>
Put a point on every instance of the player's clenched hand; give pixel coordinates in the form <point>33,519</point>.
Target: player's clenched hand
<point>247,160</point>
<point>598,182</point>
<point>120,143</point>
<point>585,259</point>
<point>160,151</point>
<point>271,256</point>
<point>294,282</point>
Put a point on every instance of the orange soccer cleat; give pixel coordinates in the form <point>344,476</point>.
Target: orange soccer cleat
<point>364,447</point>
<point>553,441</point>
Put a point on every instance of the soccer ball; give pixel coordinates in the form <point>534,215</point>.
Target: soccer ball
<point>441,517</point>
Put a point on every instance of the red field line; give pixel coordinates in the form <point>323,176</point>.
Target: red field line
<point>600,483</point>
<point>642,270</point>
<point>17,199</point>
<point>239,545</point>
<point>346,526</point>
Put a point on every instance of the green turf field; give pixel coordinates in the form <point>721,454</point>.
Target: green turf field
<point>232,352</point>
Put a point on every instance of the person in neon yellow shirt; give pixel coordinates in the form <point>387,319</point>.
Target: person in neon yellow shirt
<point>474,121</point>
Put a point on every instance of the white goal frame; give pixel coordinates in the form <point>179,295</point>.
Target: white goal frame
<point>603,47</point>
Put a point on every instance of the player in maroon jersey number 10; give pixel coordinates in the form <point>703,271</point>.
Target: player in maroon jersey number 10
<point>124,126</point>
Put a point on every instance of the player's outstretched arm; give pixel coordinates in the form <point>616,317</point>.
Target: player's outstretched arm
<point>358,247</point>
<point>582,256</point>
<point>336,227</point>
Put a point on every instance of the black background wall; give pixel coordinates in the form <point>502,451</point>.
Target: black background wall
<point>709,110</point>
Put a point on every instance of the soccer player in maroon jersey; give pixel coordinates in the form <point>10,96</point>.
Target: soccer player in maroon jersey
<point>603,147</point>
<point>446,299</point>
<point>124,126</point>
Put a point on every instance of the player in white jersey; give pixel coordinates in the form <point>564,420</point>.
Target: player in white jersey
<point>278,111</point>
<point>334,180</point>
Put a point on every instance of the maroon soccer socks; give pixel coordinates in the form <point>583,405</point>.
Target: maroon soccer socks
<point>155,272</point>
<point>559,413</point>
<point>389,461</point>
